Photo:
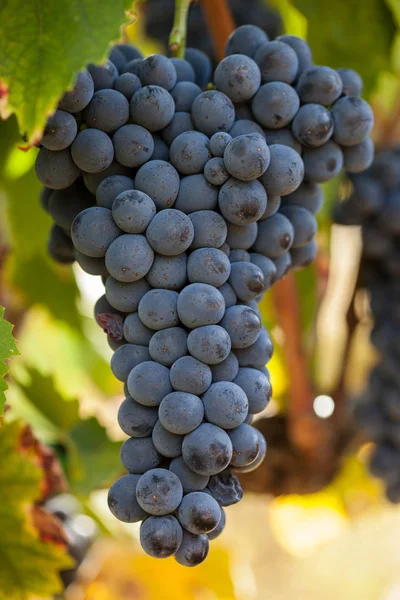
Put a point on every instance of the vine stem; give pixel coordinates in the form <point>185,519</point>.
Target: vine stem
<point>177,38</point>
<point>220,23</point>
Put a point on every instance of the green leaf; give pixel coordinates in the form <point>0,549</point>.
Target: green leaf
<point>42,47</point>
<point>99,460</point>
<point>7,349</point>
<point>345,34</point>
<point>42,393</point>
<point>27,565</point>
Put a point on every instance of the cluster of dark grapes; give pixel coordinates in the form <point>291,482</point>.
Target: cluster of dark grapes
<point>375,205</point>
<point>191,204</point>
<point>159,19</point>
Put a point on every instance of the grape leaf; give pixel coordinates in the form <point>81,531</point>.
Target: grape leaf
<point>27,565</point>
<point>7,349</point>
<point>337,42</point>
<point>44,45</point>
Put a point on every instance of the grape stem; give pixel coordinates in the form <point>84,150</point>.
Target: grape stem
<point>220,23</point>
<point>177,38</point>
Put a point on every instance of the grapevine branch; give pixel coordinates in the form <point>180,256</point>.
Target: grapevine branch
<point>177,38</point>
<point>219,22</point>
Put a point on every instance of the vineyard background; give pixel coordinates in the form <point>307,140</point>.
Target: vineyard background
<point>59,431</point>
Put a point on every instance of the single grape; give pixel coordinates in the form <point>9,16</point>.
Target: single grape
<point>213,111</point>
<point>245,444</point>
<point>181,412</point>
<point>129,257</point>
<point>313,125</point>
<point>257,461</point>
<point>301,48</point>
<point>159,492</point>
<point>93,231</point>
<point>210,344</point>
<point>184,70</point>
<point>126,296</point>
<point>200,304</point>
<point>285,172</point>
<point>159,180</point>
<point>158,70</point>
<point>126,358</point>
<point>210,229</point>
<point>158,309</point>
<point>56,170</point>
<point>184,94</point>
<point>193,550</point>
<point>245,127</point>
<point>199,512</point>
<point>81,94</point>
<point>352,82</point>
<point>360,157</point>
<point>190,375</point>
<point>139,455</point>
<point>191,481</point>
<point>275,104</point>
<point>284,137</point>
<point>133,145</point>
<point>225,404</point>
<point>136,420</point>
<point>170,232</point>
<point>247,280</point>
<point>207,450</point>
<point>303,223</point>
<point>247,157</point>
<point>257,388</point>
<point>122,500</point>
<point>161,537</point>
<point>110,188</point>
<point>92,150</point>
<point>201,64</point>
<point>242,237</point>
<point>108,110</point>
<point>237,76</point>
<point>130,52</point>
<point>93,266</point>
<point>277,61</point>
<point>209,266</point>
<point>190,151</point>
<point>215,171</point>
<point>168,345</point>
<point>323,163</point>
<point>242,202</point>
<point>309,195</point>
<point>225,370</point>
<point>319,85</point>
<point>104,76</point>
<point>242,324</point>
<point>353,120</point>
<point>166,443</point>
<point>168,272</point>
<point>218,143</point>
<point>118,58</point>
<point>152,107</point>
<point>225,488</point>
<point>60,131</point>
<point>135,332</point>
<point>148,383</point>
<point>180,123</point>
<point>196,193</point>
<point>133,210</point>
<point>127,84</point>
<point>258,354</point>
<point>246,39</point>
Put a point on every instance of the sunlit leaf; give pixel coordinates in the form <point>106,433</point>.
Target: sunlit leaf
<point>8,348</point>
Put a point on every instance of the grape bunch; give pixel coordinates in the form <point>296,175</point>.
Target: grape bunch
<point>197,202</point>
<point>375,205</point>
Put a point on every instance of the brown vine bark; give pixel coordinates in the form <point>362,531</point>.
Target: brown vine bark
<point>219,22</point>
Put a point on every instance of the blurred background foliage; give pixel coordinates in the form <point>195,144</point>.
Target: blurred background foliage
<point>340,539</point>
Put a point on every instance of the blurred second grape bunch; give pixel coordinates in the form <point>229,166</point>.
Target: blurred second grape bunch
<point>191,202</point>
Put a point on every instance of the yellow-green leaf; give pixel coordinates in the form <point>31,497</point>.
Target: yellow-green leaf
<point>27,564</point>
<point>43,44</point>
<point>7,349</point>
